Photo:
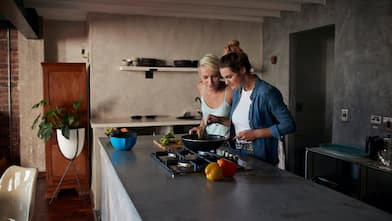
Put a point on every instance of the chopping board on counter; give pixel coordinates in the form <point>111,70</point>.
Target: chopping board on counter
<point>167,147</point>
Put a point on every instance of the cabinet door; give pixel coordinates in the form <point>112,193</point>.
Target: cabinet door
<point>63,84</point>
<point>378,189</point>
<point>337,174</point>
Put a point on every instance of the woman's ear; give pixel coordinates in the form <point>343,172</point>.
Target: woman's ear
<point>243,70</point>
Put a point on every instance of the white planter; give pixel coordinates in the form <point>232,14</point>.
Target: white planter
<point>75,143</point>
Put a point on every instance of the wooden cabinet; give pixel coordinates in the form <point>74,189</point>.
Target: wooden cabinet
<point>63,84</point>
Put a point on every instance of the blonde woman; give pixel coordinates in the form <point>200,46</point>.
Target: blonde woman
<point>215,99</point>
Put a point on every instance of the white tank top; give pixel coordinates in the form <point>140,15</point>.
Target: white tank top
<point>240,116</point>
<point>223,111</point>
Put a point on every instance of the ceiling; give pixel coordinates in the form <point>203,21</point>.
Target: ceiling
<point>235,10</point>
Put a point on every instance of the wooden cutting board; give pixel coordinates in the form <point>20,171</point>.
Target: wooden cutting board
<point>168,146</point>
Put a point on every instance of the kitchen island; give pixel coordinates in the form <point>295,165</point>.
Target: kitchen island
<point>135,187</point>
<point>163,124</point>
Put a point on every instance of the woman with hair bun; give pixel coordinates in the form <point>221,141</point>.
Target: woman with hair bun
<point>215,98</point>
<point>259,117</point>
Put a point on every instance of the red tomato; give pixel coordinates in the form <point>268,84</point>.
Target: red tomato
<point>229,168</point>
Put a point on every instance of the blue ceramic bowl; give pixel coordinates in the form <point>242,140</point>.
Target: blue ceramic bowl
<point>123,141</point>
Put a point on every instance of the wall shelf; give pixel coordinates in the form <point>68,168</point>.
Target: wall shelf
<point>162,69</point>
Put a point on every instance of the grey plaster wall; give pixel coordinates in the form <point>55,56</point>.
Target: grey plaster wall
<point>30,55</point>
<point>120,94</point>
<point>363,60</point>
<point>64,41</point>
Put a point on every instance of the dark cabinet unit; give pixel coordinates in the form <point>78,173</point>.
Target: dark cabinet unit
<point>358,177</point>
<point>377,188</point>
<point>334,173</point>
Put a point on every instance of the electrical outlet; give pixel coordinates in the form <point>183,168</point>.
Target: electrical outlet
<point>375,119</point>
<point>344,115</point>
<point>387,122</point>
<point>84,52</point>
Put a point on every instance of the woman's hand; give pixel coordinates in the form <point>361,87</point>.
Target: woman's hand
<point>198,130</point>
<point>246,135</point>
<point>250,135</point>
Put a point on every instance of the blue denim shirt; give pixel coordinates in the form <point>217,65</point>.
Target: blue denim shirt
<point>267,110</point>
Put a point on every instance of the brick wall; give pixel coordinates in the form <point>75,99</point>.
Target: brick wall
<point>9,149</point>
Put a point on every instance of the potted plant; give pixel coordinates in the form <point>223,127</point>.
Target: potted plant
<point>70,137</point>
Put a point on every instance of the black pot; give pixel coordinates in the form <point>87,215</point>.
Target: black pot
<point>210,142</point>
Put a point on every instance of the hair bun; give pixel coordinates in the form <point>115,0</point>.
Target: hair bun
<point>233,46</point>
<point>234,43</point>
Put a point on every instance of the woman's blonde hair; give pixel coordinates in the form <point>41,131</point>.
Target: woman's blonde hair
<point>210,61</point>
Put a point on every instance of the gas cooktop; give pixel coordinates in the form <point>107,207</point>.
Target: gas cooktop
<point>184,161</point>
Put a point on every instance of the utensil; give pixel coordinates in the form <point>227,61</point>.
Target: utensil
<point>182,63</point>
<point>127,61</point>
<point>207,143</point>
<point>136,117</point>
<point>185,63</point>
<point>204,133</point>
<point>151,62</point>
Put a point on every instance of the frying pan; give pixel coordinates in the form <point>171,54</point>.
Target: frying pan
<point>207,143</point>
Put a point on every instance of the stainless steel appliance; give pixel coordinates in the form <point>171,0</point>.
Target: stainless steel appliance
<point>380,149</point>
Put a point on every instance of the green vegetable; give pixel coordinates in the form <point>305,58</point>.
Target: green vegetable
<point>168,138</point>
<point>109,131</point>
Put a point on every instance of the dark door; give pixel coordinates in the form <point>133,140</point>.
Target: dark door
<point>311,89</point>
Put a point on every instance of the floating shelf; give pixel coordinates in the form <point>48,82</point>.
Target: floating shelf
<point>162,69</point>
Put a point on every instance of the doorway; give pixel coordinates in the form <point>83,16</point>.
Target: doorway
<point>9,93</point>
<point>312,70</point>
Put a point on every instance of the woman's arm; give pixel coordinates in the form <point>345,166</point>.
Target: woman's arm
<point>279,110</point>
<point>199,129</point>
<point>216,119</point>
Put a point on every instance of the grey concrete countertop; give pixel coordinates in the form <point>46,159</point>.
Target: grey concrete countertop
<point>264,193</point>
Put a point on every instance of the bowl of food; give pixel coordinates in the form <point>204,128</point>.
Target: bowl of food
<point>123,140</point>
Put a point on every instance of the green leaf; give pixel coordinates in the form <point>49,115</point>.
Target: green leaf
<point>45,131</point>
<point>57,117</point>
<point>76,104</point>
<point>70,120</point>
<point>35,121</point>
<point>65,132</point>
<point>40,103</point>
